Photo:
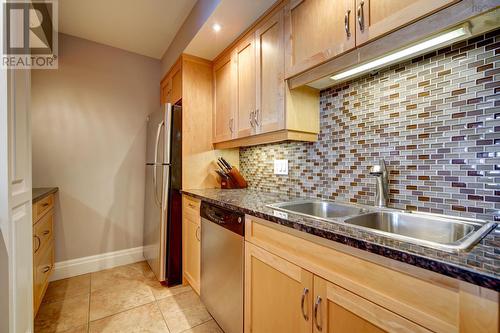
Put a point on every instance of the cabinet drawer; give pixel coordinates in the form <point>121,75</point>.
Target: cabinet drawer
<point>42,206</point>
<point>42,232</point>
<point>43,265</point>
<point>191,209</point>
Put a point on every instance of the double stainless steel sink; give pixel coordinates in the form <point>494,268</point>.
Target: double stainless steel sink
<point>436,231</point>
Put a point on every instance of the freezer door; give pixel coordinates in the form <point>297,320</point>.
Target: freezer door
<point>159,133</point>
<point>155,218</point>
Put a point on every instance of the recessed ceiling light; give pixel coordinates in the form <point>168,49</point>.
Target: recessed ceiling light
<point>216,27</point>
<point>405,53</point>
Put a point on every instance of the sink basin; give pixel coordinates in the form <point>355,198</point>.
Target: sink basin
<point>318,209</point>
<point>427,229</point>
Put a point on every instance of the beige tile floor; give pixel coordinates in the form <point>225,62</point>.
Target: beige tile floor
<point>122,299</point>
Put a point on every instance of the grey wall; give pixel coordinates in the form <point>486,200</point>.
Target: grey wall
<point>88,120</point>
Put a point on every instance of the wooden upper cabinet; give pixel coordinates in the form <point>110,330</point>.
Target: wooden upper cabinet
<point>176,83</point>
<point>278,294</point>
<point>166,89</point>
<point>244,60</point>
<point>171,85</point>
<point>223,118</point>
<point>270,74</point>
<point>375,18</point>
<point>337,310</point>
<point>316,31</point>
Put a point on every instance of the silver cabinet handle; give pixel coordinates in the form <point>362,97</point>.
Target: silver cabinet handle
<point>346,23</point>
<point>39,243</point>
<point>46,269</point>
<point>231,125</point>
<point>302,301</point>
<point>361,16</point>
<point>197,233</point>
<point>316,306</point>
<point>257,117</point>
<point>252,115</point>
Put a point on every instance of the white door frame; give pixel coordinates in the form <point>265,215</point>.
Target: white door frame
<point>16,248</point>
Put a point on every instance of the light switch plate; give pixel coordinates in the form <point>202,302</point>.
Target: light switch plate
<point>281,167</point>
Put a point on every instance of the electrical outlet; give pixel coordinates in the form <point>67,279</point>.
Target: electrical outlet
<point>281,167</point>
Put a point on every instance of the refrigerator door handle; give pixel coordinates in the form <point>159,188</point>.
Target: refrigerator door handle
<point>158,132</point>
<point>166,186</point>
<point>168,128</point>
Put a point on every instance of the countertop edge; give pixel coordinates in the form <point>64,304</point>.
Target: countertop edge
<point>44,191</point>
<point>448,269</point>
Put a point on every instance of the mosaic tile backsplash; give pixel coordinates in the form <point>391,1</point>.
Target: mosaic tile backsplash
<point>434,119</point>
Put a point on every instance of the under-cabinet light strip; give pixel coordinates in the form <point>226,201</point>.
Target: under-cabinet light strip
<point>398,55</point>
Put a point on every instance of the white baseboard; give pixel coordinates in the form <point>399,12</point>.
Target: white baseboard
<point>79,266</point>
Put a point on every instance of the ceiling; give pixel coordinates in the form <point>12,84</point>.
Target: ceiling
<point>145,27</point>
<point>234,16</point>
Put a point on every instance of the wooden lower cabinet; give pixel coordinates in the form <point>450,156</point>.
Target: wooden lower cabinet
<point>295,282</point>
<point>336,310</point>
<point>43,248</point>
<point>191,241</point>
<point>274,289</point>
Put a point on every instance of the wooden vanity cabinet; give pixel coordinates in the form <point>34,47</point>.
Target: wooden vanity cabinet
<point>191,241</point>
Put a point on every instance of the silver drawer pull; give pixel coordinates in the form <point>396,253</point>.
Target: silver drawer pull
<point>361,16</point>
<point>316,306</point>
<point>346,23</point>
<point>38,245</point>
<point>302,301</point>
<point>46,269</point>
<point>197,233</point>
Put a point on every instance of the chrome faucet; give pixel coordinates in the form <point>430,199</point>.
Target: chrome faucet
<point>382,193</point>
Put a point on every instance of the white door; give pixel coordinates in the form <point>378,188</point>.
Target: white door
<point>16,261</point>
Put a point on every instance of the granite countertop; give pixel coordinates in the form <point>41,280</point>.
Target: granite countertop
<point>479,266</point>
<point>38,193</point>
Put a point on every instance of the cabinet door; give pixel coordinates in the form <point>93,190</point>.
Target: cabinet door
<point>337,310</point>
<point>166,89</point>
<point>270,56</point>
<point>223,100</point>
<point>316,31</point>
<point>43,264</point>
<point>176,83</point>
<point>277,294</point>
<point>375,18</point>
<point>245,86</point>
<point>192,256</point>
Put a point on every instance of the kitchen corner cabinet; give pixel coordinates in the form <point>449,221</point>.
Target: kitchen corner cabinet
<point>297,283</point>
<point>251,99</point>
<point>191,238</point>
<point>43,247</point>
<point>375,18</point>
<point>316,31</point>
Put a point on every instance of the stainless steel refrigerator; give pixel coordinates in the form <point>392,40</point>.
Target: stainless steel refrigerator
<point>162,202</point>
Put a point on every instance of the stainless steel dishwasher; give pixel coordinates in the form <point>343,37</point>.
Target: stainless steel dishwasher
<point>222,261</point>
